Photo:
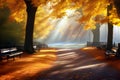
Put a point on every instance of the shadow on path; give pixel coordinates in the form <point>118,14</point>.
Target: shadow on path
<point>73,64</point>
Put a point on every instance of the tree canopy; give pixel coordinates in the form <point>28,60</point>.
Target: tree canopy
<point>92,11</point>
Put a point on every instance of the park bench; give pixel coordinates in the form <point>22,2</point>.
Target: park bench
<point>8,53</point>
<point>110,53</point>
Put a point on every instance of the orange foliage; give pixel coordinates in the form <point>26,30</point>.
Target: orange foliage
<point>94,11</point>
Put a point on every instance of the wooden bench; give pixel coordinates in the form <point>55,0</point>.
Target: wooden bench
<point>111,53</point>
<point>8,53</point>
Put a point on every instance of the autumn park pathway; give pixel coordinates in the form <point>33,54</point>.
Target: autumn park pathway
<point>61,64</point>
<point>77,65</point>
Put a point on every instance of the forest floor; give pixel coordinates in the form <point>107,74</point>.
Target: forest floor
<point>29,66</point>
<point>99,55</point>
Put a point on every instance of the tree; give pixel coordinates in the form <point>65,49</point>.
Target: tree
<point>110,36</point>
<point>117,5</point>
<point>96,33</point>
<point>16,7</point>
<point>110,23</point>
<point>90,10</point>
<point>31,10</point>
<point>111,17</point>
<point>110,30</point>
<point>13,36</point>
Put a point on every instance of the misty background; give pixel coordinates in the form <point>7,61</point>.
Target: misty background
<point>67,31</point>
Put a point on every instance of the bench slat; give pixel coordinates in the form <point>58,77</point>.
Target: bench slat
<point>9,53</point>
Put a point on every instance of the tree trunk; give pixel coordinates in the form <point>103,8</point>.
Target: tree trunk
<point>96,33</point>
<point>117,6</point>
<point>110,30</point>
<point>110,36</point>
<point>31,10</point>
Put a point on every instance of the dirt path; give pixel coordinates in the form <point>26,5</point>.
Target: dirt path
<point>78,65</point>
<point>99,55</point>
<point>28,66</point>
<point>61,64</point>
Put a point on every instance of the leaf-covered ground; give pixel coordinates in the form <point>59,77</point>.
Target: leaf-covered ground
<point>62,64</point>
<point>27,66</point>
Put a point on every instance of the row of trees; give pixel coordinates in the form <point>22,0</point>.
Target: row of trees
<point>57,6</point>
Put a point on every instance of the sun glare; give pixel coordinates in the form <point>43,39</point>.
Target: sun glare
<point>70,12</point>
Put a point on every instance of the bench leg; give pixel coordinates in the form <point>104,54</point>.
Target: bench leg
<point>10,57</point>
